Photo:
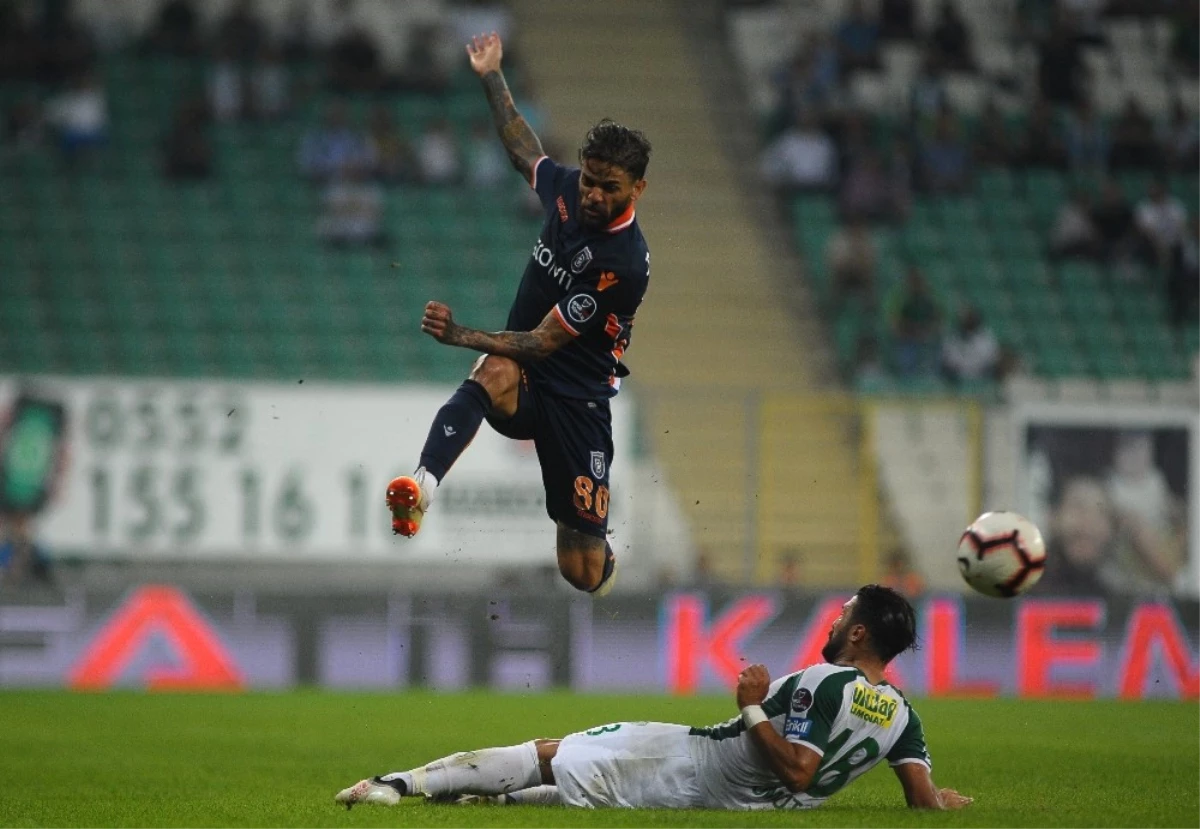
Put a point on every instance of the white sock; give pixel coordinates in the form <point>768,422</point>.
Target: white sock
<point>424,477</point>
<point>487,771</point>
<point>537,795</point>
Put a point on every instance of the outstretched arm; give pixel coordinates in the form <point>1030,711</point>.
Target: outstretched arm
<point>520,142</point>
<point>920,792</point>
<point>522,346</point>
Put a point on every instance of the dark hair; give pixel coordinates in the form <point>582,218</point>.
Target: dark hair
<point>888,618</point>
<point>619,146</point>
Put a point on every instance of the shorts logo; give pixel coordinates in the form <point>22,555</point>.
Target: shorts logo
<point>581,260</point>
<point>598,466</point>
<point>581,308</point>
<point>796,728</point>
<point>802,700</point>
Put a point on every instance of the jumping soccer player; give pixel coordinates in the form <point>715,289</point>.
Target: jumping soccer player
<point>799,740</point>
<point>549,377</point>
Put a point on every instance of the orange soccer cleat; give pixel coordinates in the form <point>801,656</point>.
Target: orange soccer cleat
<point>407,500</point>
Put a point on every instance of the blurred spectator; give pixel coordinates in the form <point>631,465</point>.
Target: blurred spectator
<point>296,37</point>
<point>950,38</point>
<point>1113,219</point>
<point>1040,144</point>
<point>22,560</point>
<point>791,568</point>
<point>80,114</point>
<point>487,164</point>
<point>811,79</point>
<point>391,156</point>
<point>1133,139</point>
<point>1183,278</point>
<point>868,192</point>
<point>897,19</point>
<point>928,97</point>
<point>332,146</point>
<point>851,136</point>
<point>916,321</point>
<point>270,84</point>
<point>1074,234</point>
<point>354,63</point>
<point>1082,19</point>
<point>1060,67</point>
<point>898,574</point>
<point>802,158</point>
<point>187,152</point>
<point>18,45</point>
<point>869,371</point>
<point>64,47</point>
<point>970,350</point>
<point>1086,139</point>
<point>226,88</point>
<point>423,69</point>
<point>1010,363</point>
<point>1081,533</point>
<point>992,145</point>
<point>857,38</point>
<point>1185,38</point>
<point>353,210</point>
<point>240,32</point>
<point>945,161</point>
<point>1160,219</point>
<point>175,31</point>
<point>439,160</point>
<point>1179,138</point>
<point>23,124</point>
<point>851,256</point>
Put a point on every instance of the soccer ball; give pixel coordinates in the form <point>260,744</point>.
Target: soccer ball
<point>1001,554</point>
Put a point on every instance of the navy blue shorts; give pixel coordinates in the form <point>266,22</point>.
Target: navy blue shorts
<point>574,446</point>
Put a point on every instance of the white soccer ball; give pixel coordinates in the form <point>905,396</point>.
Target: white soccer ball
<point>1001,554</point>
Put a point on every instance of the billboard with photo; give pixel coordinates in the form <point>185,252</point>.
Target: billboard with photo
<point>1114,490</point>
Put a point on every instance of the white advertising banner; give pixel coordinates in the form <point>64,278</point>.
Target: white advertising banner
<point>189,470</point>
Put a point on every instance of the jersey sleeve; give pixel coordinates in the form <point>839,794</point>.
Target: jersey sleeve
<point>815,706</point>
<point>593,298</point>
<point>548,179</point>
<point>910,748</point>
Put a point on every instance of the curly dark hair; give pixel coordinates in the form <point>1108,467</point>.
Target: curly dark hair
<point>888,618</point>
<point>619,146</point>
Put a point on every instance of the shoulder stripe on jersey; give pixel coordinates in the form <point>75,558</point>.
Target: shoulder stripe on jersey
<point>533,172</point>
<point>563,321</point>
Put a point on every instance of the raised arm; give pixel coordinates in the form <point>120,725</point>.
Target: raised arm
<point>793,764</point>
<point>520,142</point>
<point>920,793</point>
<point>522,346</point>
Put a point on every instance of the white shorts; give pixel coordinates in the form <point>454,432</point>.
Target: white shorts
<point>645,765</point>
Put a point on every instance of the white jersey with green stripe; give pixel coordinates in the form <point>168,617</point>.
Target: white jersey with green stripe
<point>833,710</point>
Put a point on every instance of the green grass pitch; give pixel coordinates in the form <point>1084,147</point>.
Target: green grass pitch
<point>131,759</point>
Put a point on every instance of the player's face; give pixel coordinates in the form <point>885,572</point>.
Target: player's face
<point>605,192</point>
<point>839,633</point>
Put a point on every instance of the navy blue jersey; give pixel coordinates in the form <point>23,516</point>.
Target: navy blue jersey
<point>593,281</point>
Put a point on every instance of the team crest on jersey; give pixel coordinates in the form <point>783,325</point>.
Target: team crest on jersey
<point>581,308</point>
<point>581,260</point>
<point>870,705</point>
<point>802,700</point>
<point>597,465</point>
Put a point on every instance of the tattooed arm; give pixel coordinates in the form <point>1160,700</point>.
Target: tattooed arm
<point>520,142</point>
<point>522,346</point>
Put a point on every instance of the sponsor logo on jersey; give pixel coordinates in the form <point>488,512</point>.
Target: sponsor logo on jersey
<point>796,728</point>
<point>561,204</point>
<point>597,464</point>
<point>607,280</point>
<point>581,308</point>
<point>870,705</point>
<point>544,256</point>
<point>802,700</point>
<point>581,260</point>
